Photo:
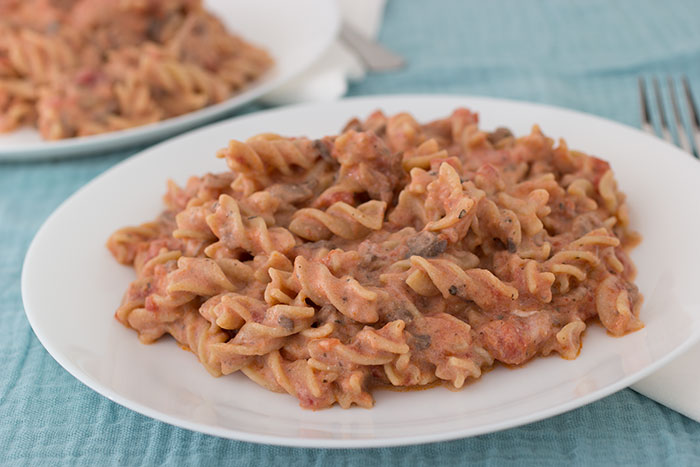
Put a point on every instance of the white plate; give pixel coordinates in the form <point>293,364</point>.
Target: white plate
<point>295,33</point>
<point>71,287</point>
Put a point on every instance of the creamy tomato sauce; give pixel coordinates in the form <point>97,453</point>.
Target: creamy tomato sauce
<point>395,254</point>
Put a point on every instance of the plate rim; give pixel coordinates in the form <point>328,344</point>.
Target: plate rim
<point>335,443</point>
<point>160,131</point>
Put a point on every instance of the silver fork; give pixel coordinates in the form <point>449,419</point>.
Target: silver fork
<point>648,99</point>
<point>375,56</point>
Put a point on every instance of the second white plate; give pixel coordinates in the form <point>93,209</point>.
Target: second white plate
<point>71,287</point>
<point>295,33</point>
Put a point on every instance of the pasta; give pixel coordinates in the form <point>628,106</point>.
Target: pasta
<point>392,254</point>
<point>82,67</point>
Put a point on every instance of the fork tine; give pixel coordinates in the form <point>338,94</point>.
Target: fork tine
<point>683,140</point>
<point>693,113</point>
<point>647,126</point>
<point>665,133</point>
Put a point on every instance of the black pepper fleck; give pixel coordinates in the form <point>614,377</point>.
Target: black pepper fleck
<point>462,213</point>
<point>452,290</point>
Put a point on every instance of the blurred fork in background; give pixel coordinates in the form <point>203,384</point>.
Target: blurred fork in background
<point>375,56</point>
<point>654,100</point>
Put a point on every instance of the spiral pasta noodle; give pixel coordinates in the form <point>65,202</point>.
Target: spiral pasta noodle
<point>340,219</point>
<point>394,254</point>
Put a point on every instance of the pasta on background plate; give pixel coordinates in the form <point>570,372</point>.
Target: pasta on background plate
<point>82,67</point>
<point>393,254</point>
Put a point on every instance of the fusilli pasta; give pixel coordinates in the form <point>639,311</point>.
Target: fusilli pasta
<point>393,254</point>
<point>81,67</point>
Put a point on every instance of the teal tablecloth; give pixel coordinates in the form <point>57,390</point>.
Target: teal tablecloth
<point>584,55</point>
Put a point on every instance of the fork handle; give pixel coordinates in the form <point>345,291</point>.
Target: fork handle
<point>375,56</point>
